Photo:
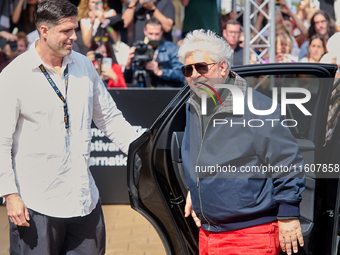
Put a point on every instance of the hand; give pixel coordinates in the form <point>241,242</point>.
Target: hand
<point>303,5</point>
<point>148,5</point>
<point>17,210</point>
<point>90,55</point>
<point>130,57</point>
<point>279,58</point>
<point>188,210</point>
<point>107,73</point>
<point>92,17</point>
<point>100,15</point>
<point>233,15</point>
<point>289,234</point>
<point>8,36</point>
<point>153,66</point>
<point>284,8</point>
<point>334,60</point>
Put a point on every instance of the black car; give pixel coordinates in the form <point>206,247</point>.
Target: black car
<point>156,181</point>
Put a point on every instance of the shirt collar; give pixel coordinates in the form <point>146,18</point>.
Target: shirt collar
<point>36,60</point>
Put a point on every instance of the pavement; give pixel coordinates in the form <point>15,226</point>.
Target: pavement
<point>127,232</point>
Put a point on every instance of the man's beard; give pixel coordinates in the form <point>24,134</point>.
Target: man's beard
<point>201,84</point>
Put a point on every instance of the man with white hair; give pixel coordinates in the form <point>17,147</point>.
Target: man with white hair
<point>240,213</point>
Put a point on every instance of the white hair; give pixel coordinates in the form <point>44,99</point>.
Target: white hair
<point>200,40</point>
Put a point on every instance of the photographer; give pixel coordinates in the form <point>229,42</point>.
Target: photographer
<point>103,59</point>
<point>156,64</point>
<point>8,48</point>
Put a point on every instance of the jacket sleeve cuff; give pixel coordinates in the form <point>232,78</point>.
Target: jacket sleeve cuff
<point>288,210</point>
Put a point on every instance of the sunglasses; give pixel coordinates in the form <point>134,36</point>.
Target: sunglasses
<point>99,38</point>
<point>201,68</point>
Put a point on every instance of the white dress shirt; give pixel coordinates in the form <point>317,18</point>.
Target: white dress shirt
<point>51,178</point>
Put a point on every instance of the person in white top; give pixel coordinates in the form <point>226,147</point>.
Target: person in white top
<point>51,95</point>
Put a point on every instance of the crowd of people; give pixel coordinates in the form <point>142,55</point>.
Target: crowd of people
<point>124,29</point>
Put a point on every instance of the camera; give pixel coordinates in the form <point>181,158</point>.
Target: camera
<point>143,54</point>
<point>98,56</point>
<point>13,45</point>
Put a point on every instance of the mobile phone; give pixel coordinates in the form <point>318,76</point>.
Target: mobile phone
<point>277,8</point>
<point>287,58</point>
<point>99,6</point>
<point>107,62</point>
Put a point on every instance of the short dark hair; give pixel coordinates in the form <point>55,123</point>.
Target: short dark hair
<point>153,22</point>
<point>52,11</point>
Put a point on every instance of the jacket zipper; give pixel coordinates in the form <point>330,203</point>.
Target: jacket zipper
<point>198,180</point>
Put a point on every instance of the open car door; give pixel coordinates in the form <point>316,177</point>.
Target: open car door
<point>156,181</point>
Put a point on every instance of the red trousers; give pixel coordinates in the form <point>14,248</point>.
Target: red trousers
<point>260,240</point>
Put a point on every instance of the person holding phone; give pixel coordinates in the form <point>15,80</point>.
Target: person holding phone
<point>93,15</point>
<point>101,55</point>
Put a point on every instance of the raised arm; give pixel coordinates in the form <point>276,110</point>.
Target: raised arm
<point>17,11</point>
<point>129,12</point>
<point>166,22</point>
<point>298,22</point>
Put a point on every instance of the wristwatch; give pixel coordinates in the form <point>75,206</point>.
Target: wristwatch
<point>152,11</point>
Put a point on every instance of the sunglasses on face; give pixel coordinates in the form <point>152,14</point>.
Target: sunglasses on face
<point>201,68</point>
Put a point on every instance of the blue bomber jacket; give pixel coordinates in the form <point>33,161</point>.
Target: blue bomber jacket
<point>240,175</point>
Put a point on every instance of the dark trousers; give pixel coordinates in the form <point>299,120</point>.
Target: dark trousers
<point>57,236</point>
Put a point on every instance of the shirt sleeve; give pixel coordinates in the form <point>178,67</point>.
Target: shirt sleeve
<point>109,119</point>
<point>9,106</point>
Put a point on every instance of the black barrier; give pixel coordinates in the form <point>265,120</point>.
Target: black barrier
<point>140,107</point>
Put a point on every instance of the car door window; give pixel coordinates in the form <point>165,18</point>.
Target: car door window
<point>297,121</point>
